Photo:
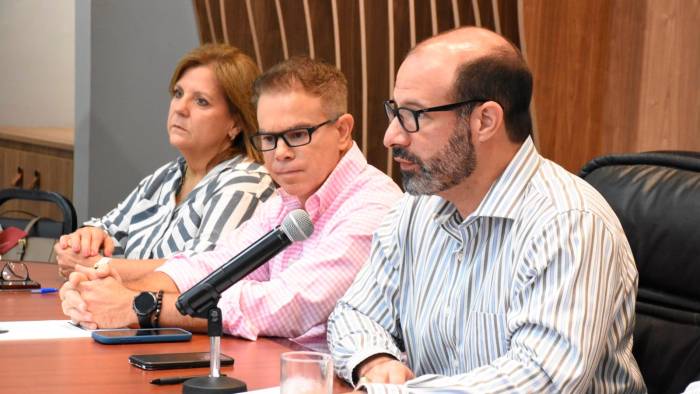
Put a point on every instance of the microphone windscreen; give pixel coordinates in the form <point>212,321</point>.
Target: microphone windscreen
<point>297,225</point>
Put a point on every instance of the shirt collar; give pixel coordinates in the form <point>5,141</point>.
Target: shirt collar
<point>505,194</point>
<point>344,173</point>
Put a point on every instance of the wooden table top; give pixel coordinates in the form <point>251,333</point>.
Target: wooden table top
<point>82,365</point>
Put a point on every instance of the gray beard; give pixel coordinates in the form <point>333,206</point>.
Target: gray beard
<point>450,166</point>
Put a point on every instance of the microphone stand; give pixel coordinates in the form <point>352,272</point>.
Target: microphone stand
<point>214,383</point>
<point>202,299</point>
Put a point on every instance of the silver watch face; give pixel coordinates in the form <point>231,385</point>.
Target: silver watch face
<point>145,303</point>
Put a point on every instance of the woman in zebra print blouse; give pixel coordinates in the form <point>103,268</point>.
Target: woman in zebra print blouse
<point>188,203</point>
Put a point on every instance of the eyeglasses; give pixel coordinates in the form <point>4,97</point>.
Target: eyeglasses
<point>299,136</point>
<point>408,118</point>
<point>15,275</point>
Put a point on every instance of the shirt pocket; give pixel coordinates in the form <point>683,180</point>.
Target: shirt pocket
<point>486,338</point>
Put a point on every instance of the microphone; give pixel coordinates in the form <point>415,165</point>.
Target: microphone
<point>203,296</point>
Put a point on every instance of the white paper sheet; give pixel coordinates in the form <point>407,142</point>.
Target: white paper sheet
<point>271,390</point>
<point>41,329</point>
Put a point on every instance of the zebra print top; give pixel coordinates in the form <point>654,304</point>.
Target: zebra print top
<point>148,224</point>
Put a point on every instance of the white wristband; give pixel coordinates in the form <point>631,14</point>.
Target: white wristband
<point>102,261</point>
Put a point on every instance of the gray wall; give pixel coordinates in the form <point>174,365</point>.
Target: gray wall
<point>37,48</point>
<point>125,53</point>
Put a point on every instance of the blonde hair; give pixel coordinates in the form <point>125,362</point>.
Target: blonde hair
<point>235,72</point>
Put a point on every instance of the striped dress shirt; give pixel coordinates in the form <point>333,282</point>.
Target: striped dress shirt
<point>148,224</point>
<point>292,295</point>
<point>532,292</point>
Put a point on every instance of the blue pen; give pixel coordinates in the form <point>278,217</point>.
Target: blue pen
<point>45,290</point>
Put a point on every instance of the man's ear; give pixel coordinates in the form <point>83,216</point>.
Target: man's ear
<point>486,119</point>
<point>345,124</point>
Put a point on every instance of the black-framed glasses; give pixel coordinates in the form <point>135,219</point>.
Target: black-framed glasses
<point>298,136</point>
<point>408,118</point>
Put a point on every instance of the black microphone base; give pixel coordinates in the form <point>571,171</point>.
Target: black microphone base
<point>207,384</point>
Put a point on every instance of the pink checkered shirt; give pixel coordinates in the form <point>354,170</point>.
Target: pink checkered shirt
<point>292,294</point>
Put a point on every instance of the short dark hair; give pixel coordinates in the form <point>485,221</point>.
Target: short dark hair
<point>501,76</point>
<point>316,77</point>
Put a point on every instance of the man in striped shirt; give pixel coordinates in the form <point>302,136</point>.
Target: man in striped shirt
<point>500,272</point>
<point>306,139</point>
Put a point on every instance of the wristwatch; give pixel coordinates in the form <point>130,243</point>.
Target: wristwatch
<point>145,304</point>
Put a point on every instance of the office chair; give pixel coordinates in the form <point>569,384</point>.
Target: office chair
<point>656,195</point>
<point>45,227</point>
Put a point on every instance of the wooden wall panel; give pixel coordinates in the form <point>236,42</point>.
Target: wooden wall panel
<point>402,33</point>
<point>466,12</point>
<point>485,10</point>
<point>444,17</point>
<point>669,108</point>
<point>614,77</point>
<point>618,90</point>
<point>200,12</point>
<point>294,26</point>
<point>566,81</point>
<point>213,10</point>
<point>422,20</point>
<point>610,76</point>
<point>217,13</point>
<point>367,39</point>
<point>402,44</point>
<point>508,20</point>
<point>46,151</point>
<point>351,60</point>
<point>237,27</point>
<point>267,29</point>
<point>377,13</point>
<point>322,23</point>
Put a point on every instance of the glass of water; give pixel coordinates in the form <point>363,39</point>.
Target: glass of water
<point>306,373</point>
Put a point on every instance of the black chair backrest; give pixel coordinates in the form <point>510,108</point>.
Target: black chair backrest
<point>656,195</point>
<point>45,227</point>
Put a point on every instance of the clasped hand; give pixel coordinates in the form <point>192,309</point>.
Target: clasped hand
<point>97,298</point>
<point>82,247</point>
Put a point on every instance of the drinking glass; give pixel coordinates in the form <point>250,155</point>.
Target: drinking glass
<point>306,373</point>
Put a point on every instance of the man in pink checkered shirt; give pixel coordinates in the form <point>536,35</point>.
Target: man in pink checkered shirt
<point>306,139</point>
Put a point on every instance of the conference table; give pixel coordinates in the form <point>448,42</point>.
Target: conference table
<point>81,365</point>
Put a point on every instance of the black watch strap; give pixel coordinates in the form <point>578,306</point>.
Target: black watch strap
<point>145,305</point>
<point>145,322</point>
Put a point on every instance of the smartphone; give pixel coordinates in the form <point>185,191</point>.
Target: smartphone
<point>140,335</point>
<point>151,362</point>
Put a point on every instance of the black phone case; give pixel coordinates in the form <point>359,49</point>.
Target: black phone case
<point>152,362</point>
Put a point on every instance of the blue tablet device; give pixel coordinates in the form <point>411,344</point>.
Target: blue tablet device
<point>140,335</point>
